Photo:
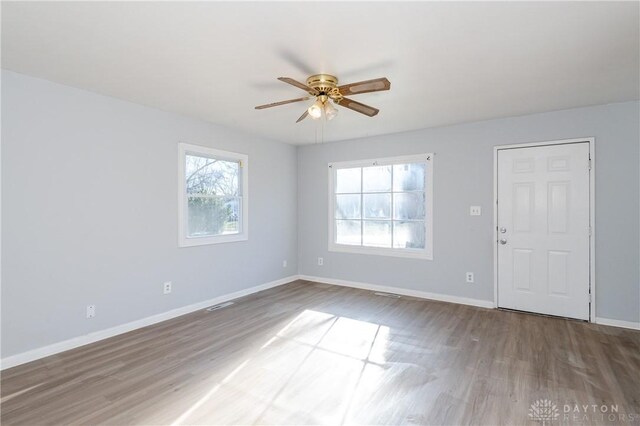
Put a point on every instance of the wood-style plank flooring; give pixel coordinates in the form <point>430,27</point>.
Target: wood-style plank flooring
<point>308,353</point>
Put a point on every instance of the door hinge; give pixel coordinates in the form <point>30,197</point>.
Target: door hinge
<point>589,231</point>
<point>589,162</point>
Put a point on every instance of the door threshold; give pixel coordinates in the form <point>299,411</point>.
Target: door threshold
<point>538,314</point>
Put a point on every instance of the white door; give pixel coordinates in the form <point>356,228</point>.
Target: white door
<point>543,229</point>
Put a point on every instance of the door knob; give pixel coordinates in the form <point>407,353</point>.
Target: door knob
<point>503,230</point>
<point>503,241</point>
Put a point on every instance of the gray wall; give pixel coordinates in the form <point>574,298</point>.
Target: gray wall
<point>89,209</point>
<point>89,193</point>
<point>463,176</point>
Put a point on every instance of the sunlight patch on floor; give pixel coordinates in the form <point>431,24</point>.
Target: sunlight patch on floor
<point>208,395</point>
<point>312,366</point>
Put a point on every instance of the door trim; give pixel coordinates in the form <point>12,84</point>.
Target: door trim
<point>592,220</point>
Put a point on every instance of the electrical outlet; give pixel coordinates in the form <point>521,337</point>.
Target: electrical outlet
<point>320,261</point>
<point>469,277</point>
<point>166,288</point>
<point>284,263</point>
<point>475,211</point>
<point>91,311</point>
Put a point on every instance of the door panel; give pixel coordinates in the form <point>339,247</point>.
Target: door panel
<point>558,262</point>
<point>523,206</point>
<point>522,269</point>
<point>543,229</point>
<point>558,193</point>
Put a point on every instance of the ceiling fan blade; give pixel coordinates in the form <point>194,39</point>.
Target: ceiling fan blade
<point>299,85</point>
<point>303,116</point>
<point>290,101</point>
<point>374,85</point>
<point>358,107</point>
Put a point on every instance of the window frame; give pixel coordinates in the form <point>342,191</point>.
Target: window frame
<point>427,252</point>
<point>185,149</point>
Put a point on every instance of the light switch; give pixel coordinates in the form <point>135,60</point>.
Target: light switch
<point>475,211</point>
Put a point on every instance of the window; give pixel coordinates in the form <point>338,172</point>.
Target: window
<point>213,196</point>
<point>382,206</point>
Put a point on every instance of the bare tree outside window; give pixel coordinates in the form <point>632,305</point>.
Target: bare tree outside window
<point>213,198</point>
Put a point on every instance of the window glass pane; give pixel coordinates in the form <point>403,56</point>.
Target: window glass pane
<point>381,206</point>
<point>377,233</point>
<point>408,206</point>
<point>408,177</point>
<point>376,179</point>
<point>208,216</point>
<point>348,232</point>
<point>408,235</point>
<point>348,206</point>
<point>348,180</point>
<point>210,176</point>
<point>377,206</point>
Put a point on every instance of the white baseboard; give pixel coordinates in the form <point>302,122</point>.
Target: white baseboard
<point>618,323</point>
<point>402,291</point>
<point>86,339</point>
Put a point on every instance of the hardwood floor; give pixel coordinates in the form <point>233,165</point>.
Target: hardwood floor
<point>312,353</point>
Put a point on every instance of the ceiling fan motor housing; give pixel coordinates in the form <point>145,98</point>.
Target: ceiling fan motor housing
<point>323,83</point>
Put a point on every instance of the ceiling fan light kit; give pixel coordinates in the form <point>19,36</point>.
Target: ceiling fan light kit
<point>322,106</point>
<point>330,111</point>
<point>324,87</point>
<point>315,110</point>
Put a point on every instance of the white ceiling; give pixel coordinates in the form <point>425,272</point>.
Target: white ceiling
<point>447,62</point>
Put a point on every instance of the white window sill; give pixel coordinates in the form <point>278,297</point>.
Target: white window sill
<point>381,251</point>
<point>218,239</point>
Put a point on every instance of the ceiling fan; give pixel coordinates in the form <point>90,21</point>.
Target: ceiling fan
<point>325,89</point>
